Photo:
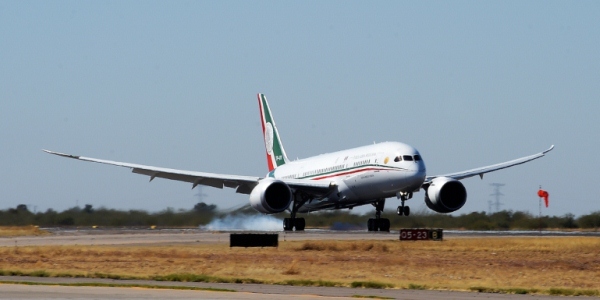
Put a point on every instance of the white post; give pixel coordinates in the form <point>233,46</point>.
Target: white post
<point>540,214</point>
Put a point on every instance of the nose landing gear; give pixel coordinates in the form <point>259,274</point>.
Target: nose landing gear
<point>403,210</point>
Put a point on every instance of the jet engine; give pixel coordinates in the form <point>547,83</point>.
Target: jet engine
<point>271,196</point>
<point>445,195</point>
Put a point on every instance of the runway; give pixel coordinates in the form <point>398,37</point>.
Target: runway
<point>57,288</point>
<point>238,291</point>
<point>126,236</point>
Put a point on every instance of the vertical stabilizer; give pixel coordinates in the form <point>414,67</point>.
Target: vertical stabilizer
<point>275,153</point>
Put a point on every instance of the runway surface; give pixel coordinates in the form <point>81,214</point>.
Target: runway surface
<point>240,291</point>
<point>197,236</point>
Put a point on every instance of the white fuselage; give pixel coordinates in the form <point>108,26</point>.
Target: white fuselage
<point>362,175</point>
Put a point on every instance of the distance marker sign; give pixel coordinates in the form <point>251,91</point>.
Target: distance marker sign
<point>421,234</point>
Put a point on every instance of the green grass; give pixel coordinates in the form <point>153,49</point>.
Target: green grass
<point>370,285</point>
<point>573,292</point>
<point>305,282</point>
<point>522,291</point>
<point>552,291</point>
<point>417,287</point>
<point>519,291</point>
<point>187,277</point>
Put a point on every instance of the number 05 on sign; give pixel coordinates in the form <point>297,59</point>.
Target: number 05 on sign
<point>421,234</point>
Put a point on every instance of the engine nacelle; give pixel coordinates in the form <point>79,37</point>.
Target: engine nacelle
<point>271,196</point>
<point>445,195</point>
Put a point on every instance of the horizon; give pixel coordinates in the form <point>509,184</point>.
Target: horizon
<point>173,85</point>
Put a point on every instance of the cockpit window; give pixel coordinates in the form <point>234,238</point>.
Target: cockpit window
<point>398,158</point>
<point>417,157</point>
<point>408,158</point>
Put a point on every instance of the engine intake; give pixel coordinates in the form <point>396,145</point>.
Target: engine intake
<point>445,195</point>
<point>271,196</point>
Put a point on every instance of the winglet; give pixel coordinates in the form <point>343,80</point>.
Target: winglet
<point>61,154</point>
<point>549,149</point>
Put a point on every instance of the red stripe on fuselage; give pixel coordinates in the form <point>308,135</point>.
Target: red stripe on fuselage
<point>352,172</point>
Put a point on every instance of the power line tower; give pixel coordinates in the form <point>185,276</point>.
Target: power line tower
<point>496,194</point>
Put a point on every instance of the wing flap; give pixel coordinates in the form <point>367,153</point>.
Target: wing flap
<point>317,188</point>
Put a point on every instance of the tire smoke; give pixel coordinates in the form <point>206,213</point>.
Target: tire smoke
<point>245,222</point>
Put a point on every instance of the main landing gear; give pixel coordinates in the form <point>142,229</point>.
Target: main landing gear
<point>379,223</point>
<point>290,223</point>
<point>403,210</point>
<point>299,223</point>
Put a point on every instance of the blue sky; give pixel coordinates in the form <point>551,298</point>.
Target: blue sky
<point>173,84</point>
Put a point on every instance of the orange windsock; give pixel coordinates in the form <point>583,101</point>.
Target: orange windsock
<point>544,194</point>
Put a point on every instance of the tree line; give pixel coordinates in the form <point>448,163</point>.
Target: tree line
<point>202,214</point>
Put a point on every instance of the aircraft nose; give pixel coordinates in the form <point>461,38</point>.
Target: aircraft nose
<point>417,175</point>
<point>417,166</point>
<point>420,169</point>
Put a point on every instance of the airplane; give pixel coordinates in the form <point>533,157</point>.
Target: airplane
<point>338,180</point>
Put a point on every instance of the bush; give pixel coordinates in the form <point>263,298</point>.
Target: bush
<point>589,221</point>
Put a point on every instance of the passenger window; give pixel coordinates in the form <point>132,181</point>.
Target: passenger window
<point>398,158</point>
<point>417,157</point>
<point>408,158</point>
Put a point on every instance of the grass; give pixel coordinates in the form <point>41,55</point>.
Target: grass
<point>186,277</point>
<point>518,291</point>
<point>370,285</point>
<point>14,231</point>
<point>341,247</point>
<point>413,286</point>
<point>573,292</point>
<point>520,265</point>
<point>307,282</point>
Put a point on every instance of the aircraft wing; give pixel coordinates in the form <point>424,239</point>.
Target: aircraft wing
<point>487,169</point>
<point>242,184</point>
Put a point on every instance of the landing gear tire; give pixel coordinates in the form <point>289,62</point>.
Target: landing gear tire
<point>300,224</point>
<point>384,225</point>
<point>403,210</point>
<point>381,224</point>
<point>371,225</point>
<point>289,224</point>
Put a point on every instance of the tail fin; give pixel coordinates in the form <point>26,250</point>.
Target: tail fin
<point>275,153</point>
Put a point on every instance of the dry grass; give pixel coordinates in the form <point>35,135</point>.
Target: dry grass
<point>12,231</point>
<point>462,263</point>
